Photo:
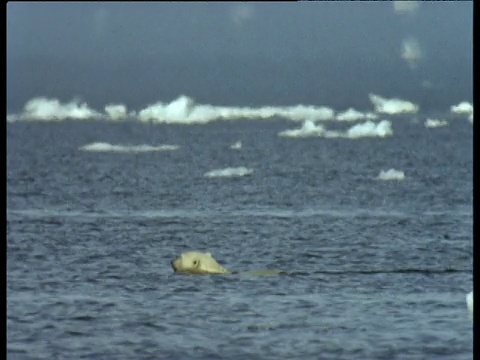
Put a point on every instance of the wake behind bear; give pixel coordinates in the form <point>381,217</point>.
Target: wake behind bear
<point>202,263</point>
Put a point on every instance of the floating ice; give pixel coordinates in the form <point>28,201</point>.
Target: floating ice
<point>309,128</point>
<point>106,147</point>
<point>392,106</point>
<point>177,111</point>
<point>367,129</point>
<point>463,108</point>
<point>404,6</point>
<point>184,111</point>
<point>391,174</point>
<point>370,129</point>
<point>469,300</point>
<point>434,123</point>
<point>411,52</point>
<point>116,111</point>
<point>229,172</point>
<point>236,146</point>
<point>353,115</point>
<point>42,108</point>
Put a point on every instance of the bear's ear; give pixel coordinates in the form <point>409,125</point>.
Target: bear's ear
<point>208,254</point>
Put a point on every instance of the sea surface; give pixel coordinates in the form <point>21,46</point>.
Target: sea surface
<point>375,268</point>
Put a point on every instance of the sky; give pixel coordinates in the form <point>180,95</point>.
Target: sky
<point>240,53</point>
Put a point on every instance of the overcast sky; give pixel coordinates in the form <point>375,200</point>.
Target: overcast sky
<point>124,51</point>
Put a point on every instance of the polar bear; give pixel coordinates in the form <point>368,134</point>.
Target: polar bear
<point>202,263</point>
<point>196,262</point>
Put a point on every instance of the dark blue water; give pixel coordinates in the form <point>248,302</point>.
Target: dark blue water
<point>374,269</point>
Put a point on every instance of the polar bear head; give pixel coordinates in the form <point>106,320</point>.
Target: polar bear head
<point>196,262</point>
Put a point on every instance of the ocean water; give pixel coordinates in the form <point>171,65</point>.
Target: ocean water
<point>376,267</point>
